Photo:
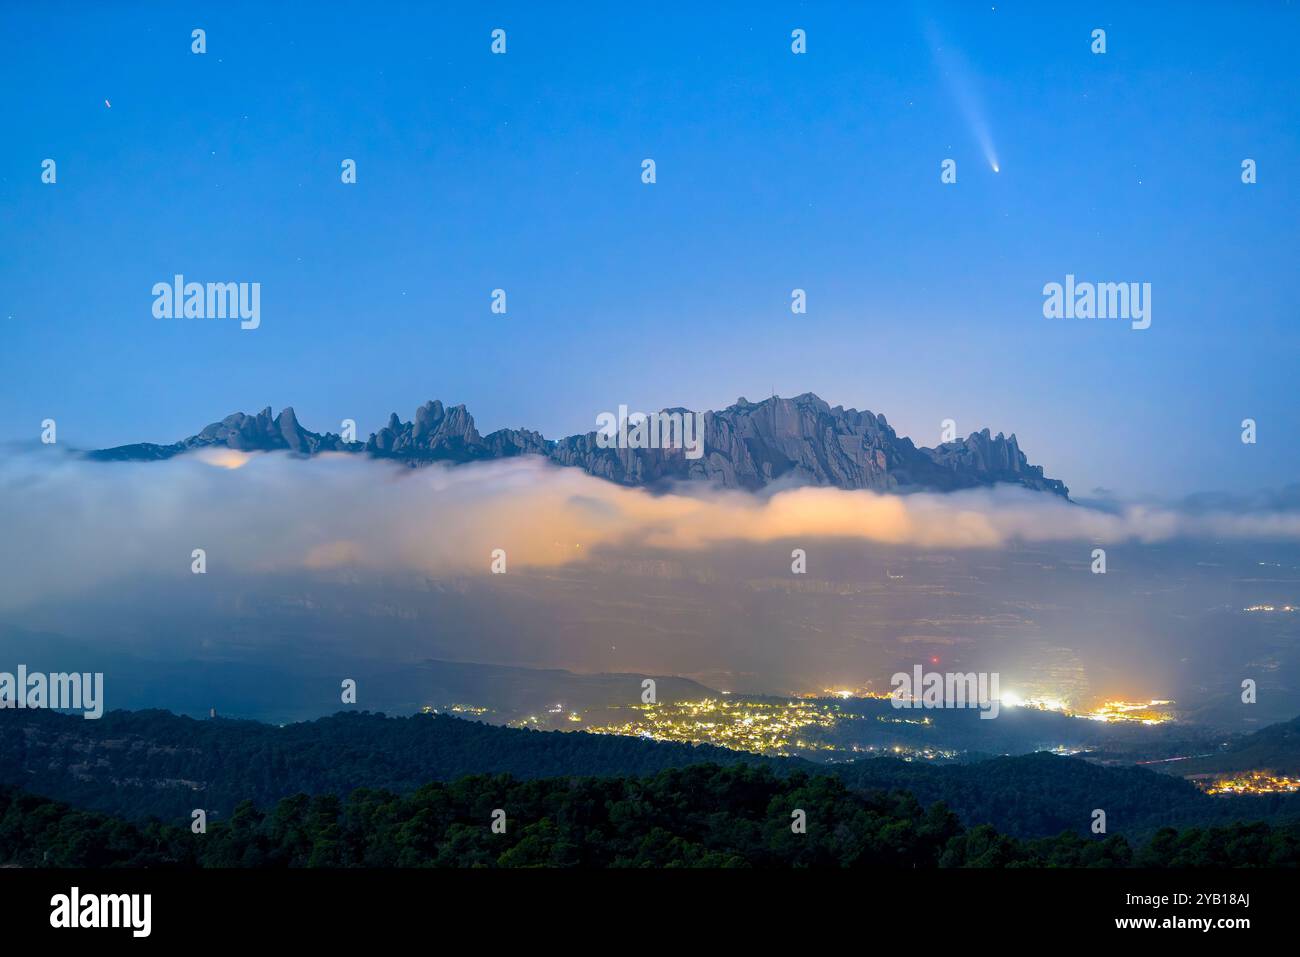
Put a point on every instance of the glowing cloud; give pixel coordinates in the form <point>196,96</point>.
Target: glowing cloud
<point>71,524</point>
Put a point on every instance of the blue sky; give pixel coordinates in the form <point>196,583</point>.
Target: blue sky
<point>775,171</point>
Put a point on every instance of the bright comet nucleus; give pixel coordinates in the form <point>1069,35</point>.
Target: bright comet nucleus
<point>961,83</point>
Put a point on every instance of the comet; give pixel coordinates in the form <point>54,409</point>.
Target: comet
<point>958,77</point>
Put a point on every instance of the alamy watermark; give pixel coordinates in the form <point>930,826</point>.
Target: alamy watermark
<point>933,689</point>
<point>214,300</point>
<point>654,430</point>
<point>133,912</point>
<point>61,691</point>
<point>1100,300</point>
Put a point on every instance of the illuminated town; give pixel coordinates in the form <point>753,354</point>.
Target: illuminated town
<point>847,693</point>
<point>759,726</point>
<point>1252,782</point>
<point>906,753</point>
<point>1149,712</point>
<point>803,724</point>
<point>1155,711</point>
<point>470,709</point>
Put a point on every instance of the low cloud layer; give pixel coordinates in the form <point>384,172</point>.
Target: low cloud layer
<point>71,524</point>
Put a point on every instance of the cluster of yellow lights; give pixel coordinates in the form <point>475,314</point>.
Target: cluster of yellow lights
<point>457,709</point>
<point>905,752</point>
<point>847,693</point>
<point>1253,782</point>
<point>1148,712</point>
<point>1009,699</point>
<point>1270,608</point>
<point>1144,712</point>
<point>763,727</point>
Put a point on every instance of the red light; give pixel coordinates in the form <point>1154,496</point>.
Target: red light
<point>934,660</point>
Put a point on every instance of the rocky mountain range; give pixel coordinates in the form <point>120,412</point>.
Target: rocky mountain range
<point>749,445</point>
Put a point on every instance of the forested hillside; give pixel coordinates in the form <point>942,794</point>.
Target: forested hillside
<point>153,763</point>
<point>702,816</point>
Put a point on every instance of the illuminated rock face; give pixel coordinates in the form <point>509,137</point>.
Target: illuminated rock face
<point>749,445</point>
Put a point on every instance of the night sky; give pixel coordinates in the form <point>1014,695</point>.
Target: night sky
<point>775,171</point>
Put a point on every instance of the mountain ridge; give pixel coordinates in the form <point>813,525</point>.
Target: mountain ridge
<point>748,445</point>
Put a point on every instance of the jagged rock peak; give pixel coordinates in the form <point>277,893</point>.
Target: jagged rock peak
<point>748,445</point>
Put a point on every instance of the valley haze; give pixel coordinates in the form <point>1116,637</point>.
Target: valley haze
<point>638,561</point>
